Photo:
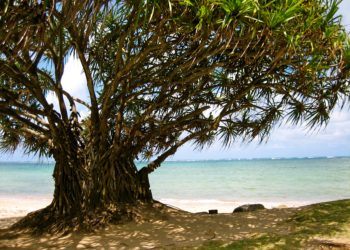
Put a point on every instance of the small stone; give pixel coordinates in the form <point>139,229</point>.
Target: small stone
<point>248,208</point>
<point>213,211</point>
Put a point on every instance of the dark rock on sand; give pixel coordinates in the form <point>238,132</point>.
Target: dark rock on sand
<point>248,208</point>
<point>201,213</point>
<point>213,211</point>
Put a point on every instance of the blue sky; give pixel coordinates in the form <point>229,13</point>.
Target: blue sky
<point>285,141</point>
<point>345,11</point>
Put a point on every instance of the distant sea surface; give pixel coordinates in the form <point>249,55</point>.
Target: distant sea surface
<point>202,185</point>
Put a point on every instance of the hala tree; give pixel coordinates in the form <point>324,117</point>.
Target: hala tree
<point>159,74</point>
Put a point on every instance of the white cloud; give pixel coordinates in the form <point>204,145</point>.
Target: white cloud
<point>73,79</point>
<point>285,141</point>
<point>74,82</point>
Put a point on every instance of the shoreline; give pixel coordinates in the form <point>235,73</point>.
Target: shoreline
<point>21,205</point>
<point>227,206</point>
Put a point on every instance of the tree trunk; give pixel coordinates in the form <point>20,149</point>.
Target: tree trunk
<point>70,184</point>
<point>90,196</point>
<point>117,180</point>
<point>67,209</point>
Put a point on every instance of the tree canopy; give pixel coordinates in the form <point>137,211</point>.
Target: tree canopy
<point>161,74</point>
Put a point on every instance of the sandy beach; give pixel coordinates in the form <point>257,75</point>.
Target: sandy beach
<point>19,206</point>
<point>169,228</point>
<point>226,206</point>
<point>173,228</point>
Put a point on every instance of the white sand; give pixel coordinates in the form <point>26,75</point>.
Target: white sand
<point>21,205</point>
<point>18,206</point>
<point>224,206</point>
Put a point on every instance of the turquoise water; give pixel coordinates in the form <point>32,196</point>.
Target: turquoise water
<point>26,179</point>
<point>283,181</point>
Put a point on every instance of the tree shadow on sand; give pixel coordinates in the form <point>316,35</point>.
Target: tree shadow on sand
<point>162,227</point>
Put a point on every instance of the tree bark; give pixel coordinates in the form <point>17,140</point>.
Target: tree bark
<point>116,180</point>
<point>87,197</point>
<point>70,184</point>
<point>68,194</point>
<point>67,209</point>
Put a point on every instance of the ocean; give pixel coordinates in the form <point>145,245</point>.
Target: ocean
<point>201,185</point>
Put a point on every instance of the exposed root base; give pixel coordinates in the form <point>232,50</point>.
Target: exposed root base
<point>45,221</point>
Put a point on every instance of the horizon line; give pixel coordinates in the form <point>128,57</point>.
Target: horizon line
<point>201,160</point>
